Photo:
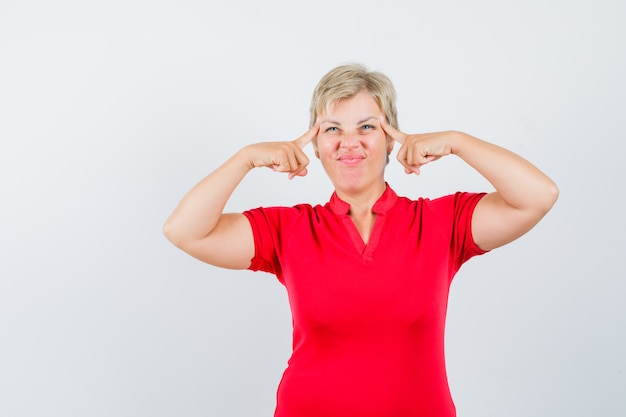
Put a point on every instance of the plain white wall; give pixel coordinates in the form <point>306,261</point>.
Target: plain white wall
<point>111,110</point>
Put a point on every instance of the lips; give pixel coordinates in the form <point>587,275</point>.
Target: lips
<point>351,159</point>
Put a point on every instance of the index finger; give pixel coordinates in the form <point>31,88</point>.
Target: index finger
<point>303,140</point>
<point>393,133</point>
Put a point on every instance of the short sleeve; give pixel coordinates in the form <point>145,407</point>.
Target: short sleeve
<point>271,228</point>
<point>454,213</point>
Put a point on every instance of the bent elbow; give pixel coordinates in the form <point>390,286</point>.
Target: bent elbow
<point>545,199</point>
<point>552,195</point>
<point>170,233</point>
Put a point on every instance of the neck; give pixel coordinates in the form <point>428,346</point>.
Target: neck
<point>363,201</point>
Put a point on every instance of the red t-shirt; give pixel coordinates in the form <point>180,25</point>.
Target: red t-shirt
<point>368,320</point>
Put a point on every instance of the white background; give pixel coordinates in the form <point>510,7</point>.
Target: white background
<point>111,110</point>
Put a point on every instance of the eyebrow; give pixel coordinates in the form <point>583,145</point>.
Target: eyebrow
<point>358,123</point>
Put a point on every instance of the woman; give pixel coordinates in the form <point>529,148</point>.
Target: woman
<point>368,273</point>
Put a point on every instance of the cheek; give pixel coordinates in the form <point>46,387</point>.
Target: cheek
<point>377,140</point>
<point>326,142</point>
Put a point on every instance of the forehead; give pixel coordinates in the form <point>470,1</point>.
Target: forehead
<point>362,104</point>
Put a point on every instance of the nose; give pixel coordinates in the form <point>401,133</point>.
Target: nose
<point>349,140</point>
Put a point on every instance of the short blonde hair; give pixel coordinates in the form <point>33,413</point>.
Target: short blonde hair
<point>347,81</point>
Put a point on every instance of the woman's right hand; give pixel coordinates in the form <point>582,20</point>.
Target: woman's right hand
<point>199,225</point>
<point>282,156</point>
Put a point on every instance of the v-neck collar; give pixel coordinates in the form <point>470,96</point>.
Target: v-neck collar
<point>380,208</point>
<point>382,205</point>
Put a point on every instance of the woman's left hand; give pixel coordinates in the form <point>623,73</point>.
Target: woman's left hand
<point>417,150</point>
<point>523,194</point>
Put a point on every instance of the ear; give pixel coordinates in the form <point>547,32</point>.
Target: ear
<point>314,143</point>
<point>390,143</point>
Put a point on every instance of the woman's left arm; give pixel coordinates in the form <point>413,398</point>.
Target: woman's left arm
<point>523,193</point>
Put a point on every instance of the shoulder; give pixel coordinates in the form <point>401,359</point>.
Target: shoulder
<point>445,209</point>
<point>459,201</point>
<point>297,209</point>
<point>282,214</point>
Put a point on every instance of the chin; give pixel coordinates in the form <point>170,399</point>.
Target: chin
<point>354,179</point>
<point>352,184</point>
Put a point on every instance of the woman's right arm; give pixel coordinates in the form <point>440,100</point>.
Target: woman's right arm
<point>198,225</point>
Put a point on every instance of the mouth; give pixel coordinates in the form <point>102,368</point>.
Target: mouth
<point>351,159</point>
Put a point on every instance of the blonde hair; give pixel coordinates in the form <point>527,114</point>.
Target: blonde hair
<point>347,81</point>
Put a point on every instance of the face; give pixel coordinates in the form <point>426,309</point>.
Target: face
<point>351,144</point>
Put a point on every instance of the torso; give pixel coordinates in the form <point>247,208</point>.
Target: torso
<point>368,320</point>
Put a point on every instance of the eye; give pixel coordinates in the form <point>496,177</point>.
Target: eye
<point>331,129</point>
<point>367,127</point>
